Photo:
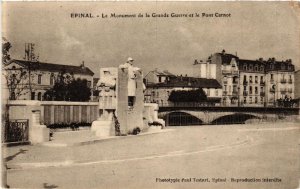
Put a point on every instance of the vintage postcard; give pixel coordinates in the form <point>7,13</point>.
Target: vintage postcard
<point>155,94</point>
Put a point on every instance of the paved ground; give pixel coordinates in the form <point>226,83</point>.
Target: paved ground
<point>204,153</point>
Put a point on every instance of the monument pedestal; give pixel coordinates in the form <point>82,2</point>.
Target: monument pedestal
<point>38,133</point>
<point>103,128</point>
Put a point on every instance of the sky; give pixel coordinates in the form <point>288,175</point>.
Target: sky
<point>254,30</point>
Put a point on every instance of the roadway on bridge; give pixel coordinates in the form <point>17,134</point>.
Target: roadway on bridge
<point>252,151</point>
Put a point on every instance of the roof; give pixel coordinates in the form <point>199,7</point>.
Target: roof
<point>226,58</point>
<point>192,82</point>
<point>162,73</point>
<point>55,67</point>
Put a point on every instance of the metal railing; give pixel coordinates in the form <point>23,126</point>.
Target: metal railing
<point>283,81</point>
<point>17,130</point>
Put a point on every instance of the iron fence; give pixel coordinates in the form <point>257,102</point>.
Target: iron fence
<point>17,130</point>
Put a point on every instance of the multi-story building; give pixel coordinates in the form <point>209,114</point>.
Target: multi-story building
<point>33,79</point>
<point>159,92</point>
<point>253,82</point>
<point>297,88</point>
<point>157,76</point>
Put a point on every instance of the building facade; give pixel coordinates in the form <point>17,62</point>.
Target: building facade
<point>253,82</point>
<point>297,88</point>
<point>160,92</point>
<point>30,80</point>
<point>157,76</point>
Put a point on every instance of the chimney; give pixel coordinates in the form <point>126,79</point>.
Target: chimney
<point>82,64</point>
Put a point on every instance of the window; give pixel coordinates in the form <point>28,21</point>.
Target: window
<point>244,67</point>
<point>89,83</point>
<point>261,68</point>
<point>250,79</point>
<point>51,79</point>
<point>153,93</point>
<point>159,79</point>
<point>39,96</point>
<point>261,79</point>
<point>245,88</point>
<point>256,90</point>
<point>250,67</point>
<point>39,79</point>
<point>256,100</point>
<point>250,100</point>
<point>261,100</point>
<point>245,100</point>
<point>256,68</point>
<point>32,95</point>
<point>272,77</point>
<point>250,89</point>
<point>256,79</point>
<point>217,92</point>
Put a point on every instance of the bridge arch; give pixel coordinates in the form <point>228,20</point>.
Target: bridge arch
<point>182,118</point>
<point>235,118</point>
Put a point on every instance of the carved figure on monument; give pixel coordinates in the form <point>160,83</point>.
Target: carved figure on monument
<point>121,108</point>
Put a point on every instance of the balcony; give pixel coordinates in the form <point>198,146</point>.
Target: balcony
<point>262,94</point>
<point>283,81</point>
<point>245,93</point>
<point>230,72</point>
<point>290,81</point>
<point>235,93</point>
<point>262,83</point>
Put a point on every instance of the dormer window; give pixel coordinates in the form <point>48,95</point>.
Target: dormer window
<point>261,68</point>
<point>250,67</point>
<point>244,67</point>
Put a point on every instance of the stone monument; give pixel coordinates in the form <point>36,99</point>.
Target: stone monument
<point>121,102</point>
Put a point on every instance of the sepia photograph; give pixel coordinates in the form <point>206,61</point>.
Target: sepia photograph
<point>150,95</point>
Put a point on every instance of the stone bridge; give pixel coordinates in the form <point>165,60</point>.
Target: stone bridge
<point>222,115</point>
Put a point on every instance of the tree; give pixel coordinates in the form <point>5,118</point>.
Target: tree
<point>5,51</point>
<point>188,96</point>
<point>79,90</point>
<point>18,80</point>
<point>66,88</point>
